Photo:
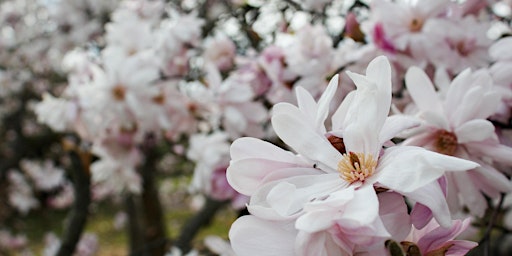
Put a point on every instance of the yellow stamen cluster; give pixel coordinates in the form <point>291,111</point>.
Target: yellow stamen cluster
<point>356,166</point>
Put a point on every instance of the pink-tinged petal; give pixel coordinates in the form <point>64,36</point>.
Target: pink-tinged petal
<point>422,91</point>
<point>252,236</point>
<point>421,139</point>
<point>396,124</point>
<point>431,196</point>
<point>477,103</point>
<point>370,235</point>
<point>247,175</point>
<point>321,244</point>
<point>474,130</point>
<point>460,247</point>
<point>407,168</point>
<point>394,215</point>
<point>496,152</point>
<point>298,190</point>
<point>339,115</point>
<point>305,141</point>
<point>490,181</point>
<point>439,236</point>
<point>470,195</point>
<point>420,215</point>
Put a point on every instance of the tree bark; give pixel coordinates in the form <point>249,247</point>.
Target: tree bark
<point>81,187</point>
<point>155,237</point>
<point>194,224</point>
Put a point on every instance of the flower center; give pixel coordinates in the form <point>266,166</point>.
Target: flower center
<point>445,142</point>
<point>415,25</point>
<point>119,92</point>
<point>356,166</point>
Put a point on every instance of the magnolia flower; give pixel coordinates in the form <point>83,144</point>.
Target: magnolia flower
<point>220,51</point>
<point>403,21</point>
<point>21,195</point>
<point>436,240</point>
<point>456,125</point>
<point>347,163</point>
<point>502,77</point>
<point>351,155</point>
<point>211,156</point>
<point>115,171</point>
<point>44,175</point>
<point>55,112</point>
<point>460,44</point>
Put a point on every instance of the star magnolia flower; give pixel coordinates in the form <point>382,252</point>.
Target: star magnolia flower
<point>351,154</point>
<point>334,226</point>
<point>456,125</point>
<point>435,240</point>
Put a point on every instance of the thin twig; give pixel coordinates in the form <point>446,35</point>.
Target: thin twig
<point>486,238</point>
<point>194,224</point>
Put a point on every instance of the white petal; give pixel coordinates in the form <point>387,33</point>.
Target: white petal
<point>306,141</point>
<point>362,129</point>
<point>325,100</point>
<point>306,103</point>
<point>407,168</point>
<point>474,130</point>
<point>248,147</point>
<point>252,236</point>
<point>340,114</point>
<point>247,175</point>
<point>501,49</point>
<point>265,202</point>
<point>396,124</point>
<point>284,108</point>
<point>320,244</point>
<point>379,71</point>
<point>432,197</point>
<point>422,90</point>
<point>320,215</point>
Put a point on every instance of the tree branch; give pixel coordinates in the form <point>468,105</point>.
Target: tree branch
<point>81,184</point>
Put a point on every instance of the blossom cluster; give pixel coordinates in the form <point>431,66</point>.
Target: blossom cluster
<point>346,188</point>
<point>408,145</point>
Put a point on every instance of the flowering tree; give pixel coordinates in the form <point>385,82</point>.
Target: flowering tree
<point>331,127</point>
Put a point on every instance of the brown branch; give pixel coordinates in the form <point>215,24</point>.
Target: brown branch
<point>194,224</point>
<point>81,185</point>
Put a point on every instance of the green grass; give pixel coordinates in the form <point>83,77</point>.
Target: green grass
<point>114,242</point>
